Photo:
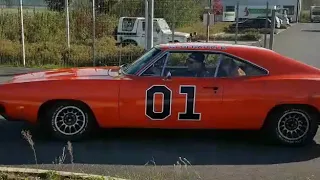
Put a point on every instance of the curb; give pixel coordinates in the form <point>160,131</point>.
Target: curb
<point>61,173</point>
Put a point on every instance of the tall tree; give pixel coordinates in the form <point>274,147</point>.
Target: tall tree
<point>217,7</point>
<point>102,6</point>
<point>57,5</point>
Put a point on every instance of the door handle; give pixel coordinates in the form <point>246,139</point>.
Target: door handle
<point>215,88</point>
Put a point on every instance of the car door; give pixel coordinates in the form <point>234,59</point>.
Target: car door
<point>194,102</point>
<point>137,107</point>
<point>244,95</point>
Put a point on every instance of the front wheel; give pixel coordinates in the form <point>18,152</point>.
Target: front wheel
<point>292,126</point>
<point>70,121</point>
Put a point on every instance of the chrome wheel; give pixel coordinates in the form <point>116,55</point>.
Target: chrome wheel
<point>69,120</point>
<point>293,125</point>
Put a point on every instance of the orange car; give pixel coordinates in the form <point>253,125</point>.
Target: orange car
<point>174,86</point>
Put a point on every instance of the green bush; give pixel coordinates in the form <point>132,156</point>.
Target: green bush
<point>250,36</point>
<point>305,16</point>
<point>283,26</point>
<point>251,30</point>
<point>48,53</point>
<point>45,32</point>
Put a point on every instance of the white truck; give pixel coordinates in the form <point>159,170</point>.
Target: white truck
<point>131,30</point>
<point>315,13</point>
<point>246,12</point>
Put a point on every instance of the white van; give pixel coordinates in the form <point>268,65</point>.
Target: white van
<point>131,30</point>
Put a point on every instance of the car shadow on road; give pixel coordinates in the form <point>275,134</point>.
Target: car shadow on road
<point>137,147</point>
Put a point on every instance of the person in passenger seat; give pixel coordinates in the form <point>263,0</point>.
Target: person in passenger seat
<point>229,68</point>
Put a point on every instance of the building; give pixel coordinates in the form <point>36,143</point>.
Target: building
<point>255,8</point>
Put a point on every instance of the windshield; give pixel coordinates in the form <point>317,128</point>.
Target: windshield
<point>140,62</point>
<point>316,13</point>
<point>163,24</point>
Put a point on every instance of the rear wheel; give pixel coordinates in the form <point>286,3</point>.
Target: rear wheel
<point>70,121</point>
<point>292,126</point>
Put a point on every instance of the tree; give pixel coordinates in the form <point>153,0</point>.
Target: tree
<point>57,5</point>
<point>217,7</point>
<point>181,12</point>
<point>102,6</point>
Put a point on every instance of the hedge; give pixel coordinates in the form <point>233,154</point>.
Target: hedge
<point>45,38</point>
<point>49,53</point>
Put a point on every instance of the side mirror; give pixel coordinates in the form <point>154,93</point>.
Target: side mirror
<point>168,76</point>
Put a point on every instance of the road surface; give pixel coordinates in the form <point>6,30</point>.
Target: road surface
<point>214,155</point>
<point>299,43</point>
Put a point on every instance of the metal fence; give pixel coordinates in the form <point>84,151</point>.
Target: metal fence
<point>88,32</point>
<point>81,34</point>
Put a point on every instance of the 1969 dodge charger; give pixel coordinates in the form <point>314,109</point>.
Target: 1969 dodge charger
<point>174,86</point>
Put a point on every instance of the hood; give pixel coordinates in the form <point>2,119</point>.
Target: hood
<point>68,74</point>
<point>178,34</point>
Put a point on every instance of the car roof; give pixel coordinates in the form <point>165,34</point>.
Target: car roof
<point>208,46</point>
<point>263,57</point>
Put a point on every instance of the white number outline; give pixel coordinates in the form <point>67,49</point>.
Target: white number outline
<point>170,103</point>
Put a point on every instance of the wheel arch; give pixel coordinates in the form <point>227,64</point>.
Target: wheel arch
<point>278,107</point>
<point>127,42</point>
<point>49,103</point>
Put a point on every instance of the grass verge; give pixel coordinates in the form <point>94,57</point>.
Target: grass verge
<point>35,174</point>
<point>181,170</point>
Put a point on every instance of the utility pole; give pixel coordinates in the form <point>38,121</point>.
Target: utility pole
<point>93,33</point>
<point>67,23</point>
<point>266,25</point>
<point>237,23</point>
<point>273,22</point>
<point>174,20</point>
<point>150,23</point>
<point>208,23</point>
<point>22,34</point>
<point>146,24</point>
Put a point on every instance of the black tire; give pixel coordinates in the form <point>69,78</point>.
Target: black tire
<point>85,121</point>
<point>301,118</point>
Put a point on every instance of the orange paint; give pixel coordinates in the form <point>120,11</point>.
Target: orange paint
<point>119,100</point>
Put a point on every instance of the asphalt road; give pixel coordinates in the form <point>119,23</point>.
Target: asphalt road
<point>301,43</point>
<point>214,155</point>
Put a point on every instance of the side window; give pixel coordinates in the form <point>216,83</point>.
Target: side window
<point>230,8</point>
<point>128,24</point>
<point>290,10</point>
<point>232,67</point>
<point>155,26</point>
<point>191,64</point>
<point>143,26</point>
<point>156,68</point>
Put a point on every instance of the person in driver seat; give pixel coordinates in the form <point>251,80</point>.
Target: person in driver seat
<point>196,65</point>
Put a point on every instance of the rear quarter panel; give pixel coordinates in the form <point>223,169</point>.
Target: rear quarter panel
<point>249,100</point>
<point>23,100</point>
